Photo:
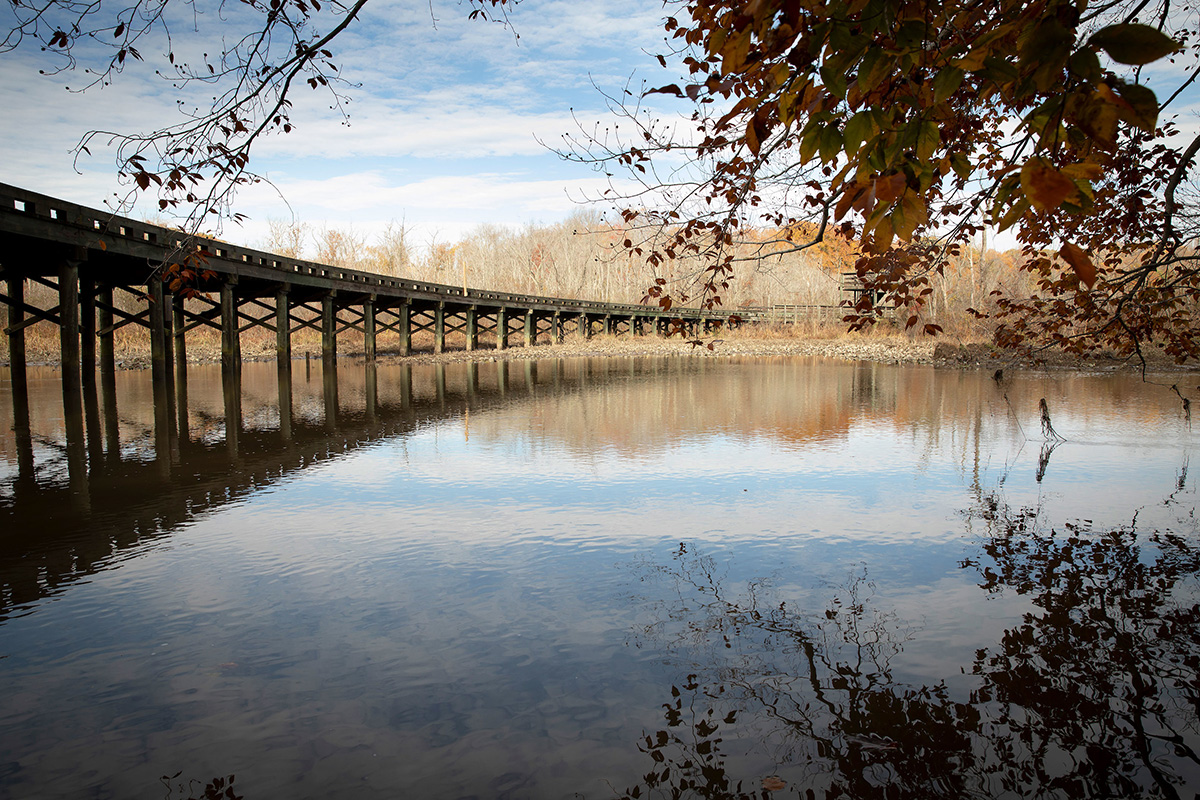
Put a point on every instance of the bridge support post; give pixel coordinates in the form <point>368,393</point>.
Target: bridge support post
<point>501,328</point>
<point>439,328</point>
<point>472,328</point>
<point>283,328</point>
<point>68,316</point>
<point>609,330</point>
<point>369,329</point>
<point>556,328</point>
<point>20,380</point>
<point>529,323</point>
<point>405,327</point>
<point>585,330</point>
<point>231,340</point>
<point>328,329</point>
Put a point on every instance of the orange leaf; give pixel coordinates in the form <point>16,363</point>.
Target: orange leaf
<point>1079,262</point>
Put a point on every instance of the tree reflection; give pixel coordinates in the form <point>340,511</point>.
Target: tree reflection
<point>1093,694</point>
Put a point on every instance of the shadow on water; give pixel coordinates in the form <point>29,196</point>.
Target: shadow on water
<point>1096,693</point>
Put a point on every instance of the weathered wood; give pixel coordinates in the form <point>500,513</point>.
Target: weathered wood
<point>501,328</point>
<point>328,329</point>
<point>158,336</point>
<point>529,332</point>
<point>585,328</point>
<point>556,328</point>
<point>472,331</point>
<point>404,327</point>
<point>369,330</point>
<point>439,328</point>
<point>283,328</point>
<point>68,311</point>
<point>231,343</point>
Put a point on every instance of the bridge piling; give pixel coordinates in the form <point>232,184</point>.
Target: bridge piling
<point>472,328</point>
<point>529,332</point>
<point>501,328</point>
<point>369,329</point>
<point>231,355</point>
<point>283,326</point>
<point>439,328</point>
<point>328,329</point>
<point>404,325</point>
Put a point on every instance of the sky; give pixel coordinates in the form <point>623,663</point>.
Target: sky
<point>451,121</point>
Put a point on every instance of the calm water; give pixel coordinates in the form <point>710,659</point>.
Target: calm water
<point>601,579</point>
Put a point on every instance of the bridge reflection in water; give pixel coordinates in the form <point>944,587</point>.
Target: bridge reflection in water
<point>131,467</point>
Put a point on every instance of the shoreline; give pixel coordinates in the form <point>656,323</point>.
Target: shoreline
<point>880,350</point>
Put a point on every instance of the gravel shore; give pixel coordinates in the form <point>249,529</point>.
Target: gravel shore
<point>878,349</point>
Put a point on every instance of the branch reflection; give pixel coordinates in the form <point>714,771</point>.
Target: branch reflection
<point>1093,693</point>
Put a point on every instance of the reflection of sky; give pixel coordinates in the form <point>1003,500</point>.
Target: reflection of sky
<point>458,609</point>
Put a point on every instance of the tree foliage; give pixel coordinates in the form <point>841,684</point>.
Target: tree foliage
<point>907,125</point>
<point>268,49</point>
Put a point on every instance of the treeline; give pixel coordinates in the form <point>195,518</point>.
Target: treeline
<point>583,257</point>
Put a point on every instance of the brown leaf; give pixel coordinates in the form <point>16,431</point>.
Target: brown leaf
<point>1079,262</point>
<point>1044,185</point>
<point>773,783</point>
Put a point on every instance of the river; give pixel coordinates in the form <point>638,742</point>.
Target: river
<point>720,577</point>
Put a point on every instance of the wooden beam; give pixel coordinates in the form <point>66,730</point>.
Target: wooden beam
<point>369,330</point>
<point>231,345</point>
<point>283,330</point>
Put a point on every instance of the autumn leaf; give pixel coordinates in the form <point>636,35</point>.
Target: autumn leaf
<point>1132,43</point>
<point>1045,186</point>
<point>1079,262</point>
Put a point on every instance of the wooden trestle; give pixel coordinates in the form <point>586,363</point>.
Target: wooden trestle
<point>87,255</point>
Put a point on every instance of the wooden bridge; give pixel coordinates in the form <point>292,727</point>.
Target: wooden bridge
<point>85,255</point>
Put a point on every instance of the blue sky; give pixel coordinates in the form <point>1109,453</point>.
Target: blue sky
<point>446,126</point>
